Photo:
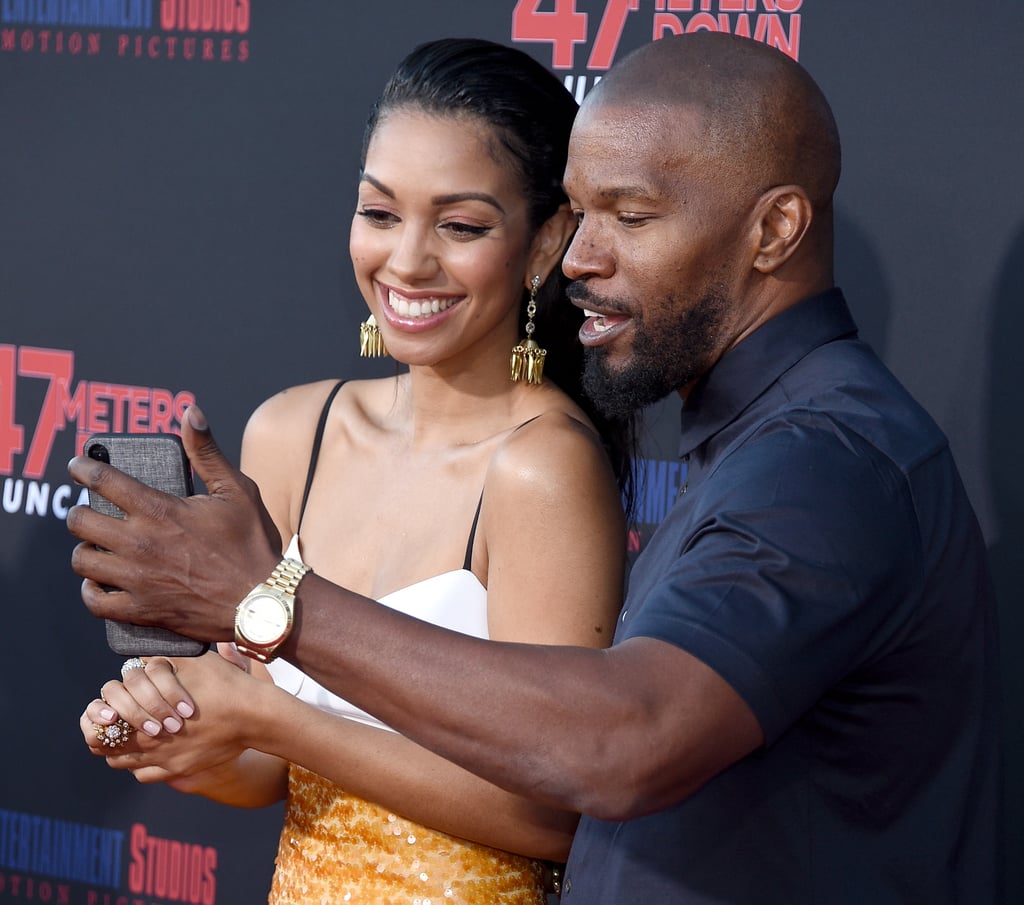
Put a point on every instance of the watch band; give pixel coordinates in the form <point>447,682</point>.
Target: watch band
<point>287,574</point>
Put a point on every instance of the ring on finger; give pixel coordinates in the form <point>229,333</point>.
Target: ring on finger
<point>132,663</point>
<point>115,735</point>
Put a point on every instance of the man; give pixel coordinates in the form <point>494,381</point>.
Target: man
<point>800,702</point>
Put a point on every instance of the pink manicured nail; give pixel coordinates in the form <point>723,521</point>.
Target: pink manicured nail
<point>151,727</point>
<point>171,724</point>
<point>185,709</point>
<point>107,714</point>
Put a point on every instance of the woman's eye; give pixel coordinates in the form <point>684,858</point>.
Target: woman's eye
<point>461,230</point>
<point>378,217</point>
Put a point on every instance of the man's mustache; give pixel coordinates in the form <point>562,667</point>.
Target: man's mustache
<point>580,293</point>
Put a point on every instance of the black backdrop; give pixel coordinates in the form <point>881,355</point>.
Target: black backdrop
<point>176,181</point>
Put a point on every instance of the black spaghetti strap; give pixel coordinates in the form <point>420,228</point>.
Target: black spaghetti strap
<point>468,561</point>
<point>315,454</point>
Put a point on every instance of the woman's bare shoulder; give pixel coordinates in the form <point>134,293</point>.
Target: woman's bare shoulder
<point>551,501</point>
<point>292,411</point>
<point>279,439</point>
<point>557,451</point>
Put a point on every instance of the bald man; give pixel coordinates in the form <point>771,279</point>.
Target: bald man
<point>799,706</point>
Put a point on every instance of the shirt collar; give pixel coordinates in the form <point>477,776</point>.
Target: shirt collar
<point>747,370</point>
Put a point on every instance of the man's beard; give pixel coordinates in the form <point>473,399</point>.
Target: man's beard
<point>663,360</point>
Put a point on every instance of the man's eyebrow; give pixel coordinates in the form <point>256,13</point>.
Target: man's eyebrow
<point>636,192</point>
<point>618,192</point>
<point>438,200</point>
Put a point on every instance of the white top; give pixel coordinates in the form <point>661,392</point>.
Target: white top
<point>454,600</point>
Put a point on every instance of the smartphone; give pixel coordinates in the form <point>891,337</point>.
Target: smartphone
<point>158,460</point>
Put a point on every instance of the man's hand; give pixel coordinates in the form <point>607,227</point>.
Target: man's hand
<point>179,563</point>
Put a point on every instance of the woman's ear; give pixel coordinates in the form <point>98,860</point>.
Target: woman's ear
<point>785,214</point>
<point>550,243</point>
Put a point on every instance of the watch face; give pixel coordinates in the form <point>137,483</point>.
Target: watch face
<point>263,619</point>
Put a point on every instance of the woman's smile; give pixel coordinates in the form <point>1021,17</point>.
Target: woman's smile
<point>411,311</point>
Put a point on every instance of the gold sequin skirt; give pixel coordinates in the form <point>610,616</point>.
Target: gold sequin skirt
<point>336,848</point>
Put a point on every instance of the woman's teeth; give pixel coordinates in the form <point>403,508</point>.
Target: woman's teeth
<point>417,308</point>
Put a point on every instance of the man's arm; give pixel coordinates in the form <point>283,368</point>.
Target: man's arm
<point>613,733</point>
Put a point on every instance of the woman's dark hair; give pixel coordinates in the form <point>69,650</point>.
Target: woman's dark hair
<point>531,114</point>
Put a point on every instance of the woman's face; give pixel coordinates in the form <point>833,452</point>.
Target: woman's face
<point>440,240</point>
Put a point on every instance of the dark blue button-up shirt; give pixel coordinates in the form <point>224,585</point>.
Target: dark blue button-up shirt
<point>825,561</point>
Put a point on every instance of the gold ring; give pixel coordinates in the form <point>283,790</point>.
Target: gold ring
<point>115,735</point>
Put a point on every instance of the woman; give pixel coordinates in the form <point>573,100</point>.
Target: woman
<point>451,492</point>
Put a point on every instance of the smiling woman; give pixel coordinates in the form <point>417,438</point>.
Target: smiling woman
<point>441,249</point>
<point>450,493</point>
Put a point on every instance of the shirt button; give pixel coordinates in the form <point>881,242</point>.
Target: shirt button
<point>567,886</point>
<point>624,613</point>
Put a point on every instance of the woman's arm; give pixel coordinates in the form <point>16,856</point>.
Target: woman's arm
<point>554,537</point>
<point>236,747</point>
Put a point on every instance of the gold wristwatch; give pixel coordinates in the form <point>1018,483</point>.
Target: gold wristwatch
<point>264,617</point>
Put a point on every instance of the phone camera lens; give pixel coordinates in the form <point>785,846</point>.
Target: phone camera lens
<point>99,452</point>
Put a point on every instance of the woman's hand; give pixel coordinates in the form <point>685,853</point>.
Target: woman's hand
<point>150,698</point>
<point>184,717</point>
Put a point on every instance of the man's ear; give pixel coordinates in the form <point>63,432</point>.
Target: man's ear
<point>784,216</point>
<point>550,243</point>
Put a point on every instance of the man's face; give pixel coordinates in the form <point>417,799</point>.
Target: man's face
<point>658,258</point>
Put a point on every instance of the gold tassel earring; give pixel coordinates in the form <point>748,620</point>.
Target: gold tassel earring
<point>371,343</point>
<point>527,356</point>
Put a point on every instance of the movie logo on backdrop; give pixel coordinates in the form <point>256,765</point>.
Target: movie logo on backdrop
<point>40,402</point>
<point>185,30</point>
<point>585,36</point>
<point>658,484</point>
<point>43,859</point>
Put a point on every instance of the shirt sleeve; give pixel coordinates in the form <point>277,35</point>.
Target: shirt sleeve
<point>785,566</point>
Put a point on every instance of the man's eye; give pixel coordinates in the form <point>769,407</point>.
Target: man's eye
<point>632,219</point>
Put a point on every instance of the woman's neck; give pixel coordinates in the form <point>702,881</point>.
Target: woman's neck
<point>465,408</point>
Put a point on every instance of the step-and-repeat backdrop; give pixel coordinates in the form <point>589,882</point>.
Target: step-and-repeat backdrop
<point>176,183</point>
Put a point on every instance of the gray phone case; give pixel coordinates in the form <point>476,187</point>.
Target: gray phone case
<point>158,460</point>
